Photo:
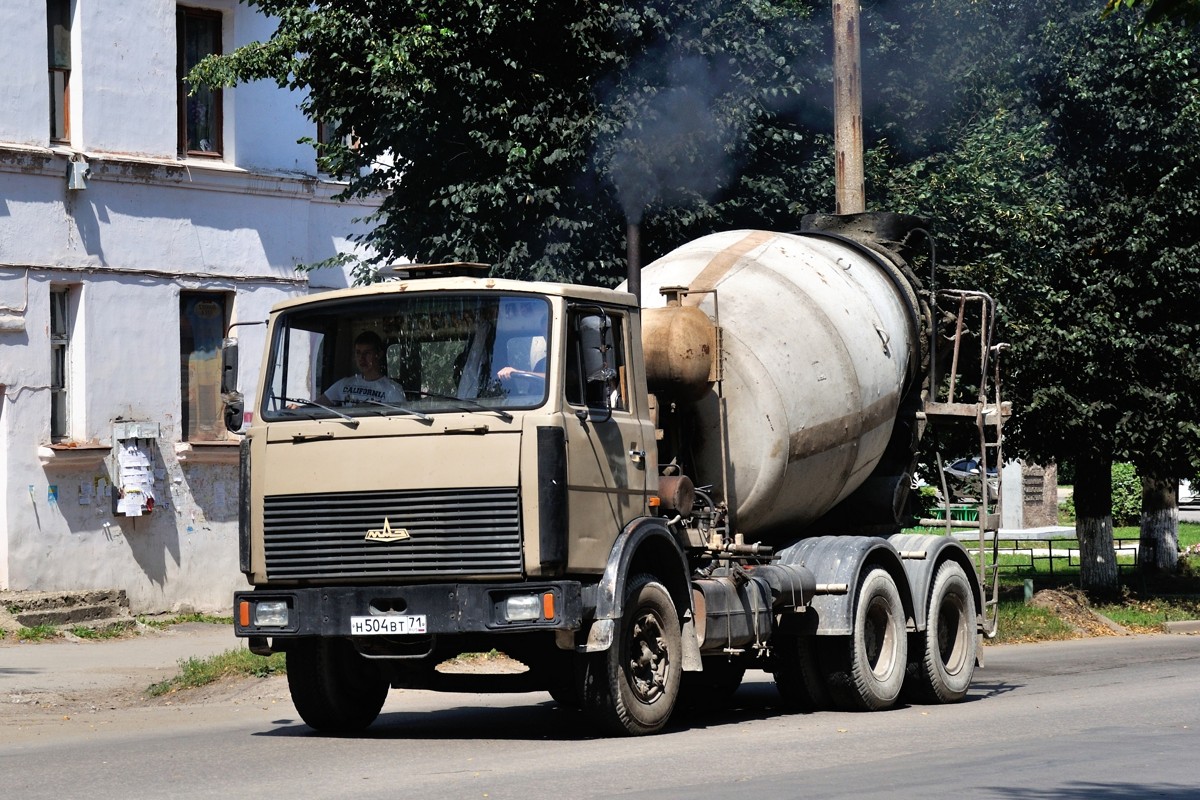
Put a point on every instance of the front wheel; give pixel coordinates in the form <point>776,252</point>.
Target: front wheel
<point>334,689</point>
<point>865,671</point>
<point>631,688</point>
<point>943,656</point>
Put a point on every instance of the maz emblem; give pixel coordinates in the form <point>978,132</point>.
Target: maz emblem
<point>387,533</point>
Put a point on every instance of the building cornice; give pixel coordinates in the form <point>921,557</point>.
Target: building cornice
<point>193,173</point>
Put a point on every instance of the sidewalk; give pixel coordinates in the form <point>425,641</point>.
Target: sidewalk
<point>66,669</point>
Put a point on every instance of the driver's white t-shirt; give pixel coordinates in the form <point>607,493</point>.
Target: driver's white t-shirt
<point>356,389</point>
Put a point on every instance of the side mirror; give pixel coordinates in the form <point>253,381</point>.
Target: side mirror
<point>229,366</point>
<point>235,410</point>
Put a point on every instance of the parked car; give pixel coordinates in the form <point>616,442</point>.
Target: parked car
<point>962,479</point>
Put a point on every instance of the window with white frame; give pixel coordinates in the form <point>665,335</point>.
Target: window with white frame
<point>60,340</point>
<point>198,34</point>
<point>202,318</point>
<point>58,40</point>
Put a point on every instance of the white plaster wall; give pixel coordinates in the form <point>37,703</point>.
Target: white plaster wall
<point>4,482</point>
<point>270,123</point>
<point>147,227</point>
<point>123,85</point>
<point>25,99</point>
<point>126,336</point>
<point>125,68</point>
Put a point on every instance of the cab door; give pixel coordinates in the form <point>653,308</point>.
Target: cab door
<point>609,439</point>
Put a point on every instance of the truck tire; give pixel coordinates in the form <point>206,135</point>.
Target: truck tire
<point>631,688</point>
<point>865,671</point>
<point>942,657</point>
<point>798,675</point>
<point>334,689</point>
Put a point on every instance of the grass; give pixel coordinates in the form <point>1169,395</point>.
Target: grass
<point>46,633</point>
<point>166,622</point>
<point>1148,615</point>
<point>117,631</point>
<point>1024,623</point>
<point>1146,603</point>
<point>38,633</point>
<point>197,672</point>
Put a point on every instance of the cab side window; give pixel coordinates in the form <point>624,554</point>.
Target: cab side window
<point>595,374</point>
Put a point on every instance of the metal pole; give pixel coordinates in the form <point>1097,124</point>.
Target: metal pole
<point>847,108</point>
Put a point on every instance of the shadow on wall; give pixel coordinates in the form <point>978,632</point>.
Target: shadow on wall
<point>155,537</point>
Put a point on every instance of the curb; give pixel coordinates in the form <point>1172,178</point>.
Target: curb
<point>1183,626</point>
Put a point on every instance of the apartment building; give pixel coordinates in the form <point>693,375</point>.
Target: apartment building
<point>138,223</point>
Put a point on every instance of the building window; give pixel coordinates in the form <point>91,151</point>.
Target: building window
<point>202,317</point>
<point>329,133</point>
<point>198,35</point>
<point>60,339</point>
<point>58,39</point>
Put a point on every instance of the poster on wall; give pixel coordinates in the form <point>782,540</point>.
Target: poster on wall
<point>135,463</point>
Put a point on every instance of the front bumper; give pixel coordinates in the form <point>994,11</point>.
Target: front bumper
<point>448,608</point>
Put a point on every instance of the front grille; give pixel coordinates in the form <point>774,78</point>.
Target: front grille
<point>452,533</point>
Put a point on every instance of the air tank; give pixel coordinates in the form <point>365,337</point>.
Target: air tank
<point>818,336</point>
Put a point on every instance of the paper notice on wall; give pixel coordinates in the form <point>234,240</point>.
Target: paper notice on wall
<point>136,479</point>
<point>85,493</point>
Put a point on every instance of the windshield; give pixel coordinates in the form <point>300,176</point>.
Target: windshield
<point>401,354</point>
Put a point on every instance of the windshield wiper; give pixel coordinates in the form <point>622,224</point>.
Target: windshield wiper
<point>463,404</point>
<point>401,409</point>
<point>346,417</point>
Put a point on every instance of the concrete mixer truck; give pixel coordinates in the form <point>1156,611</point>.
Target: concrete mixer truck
<point>636,504</point>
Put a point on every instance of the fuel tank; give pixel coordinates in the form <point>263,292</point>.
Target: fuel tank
<point>815,339</point>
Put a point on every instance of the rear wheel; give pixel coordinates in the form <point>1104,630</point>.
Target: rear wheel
<point>943,656</point>
<point>334,689</point>
<point>631,688</point>
<point>865,671</point>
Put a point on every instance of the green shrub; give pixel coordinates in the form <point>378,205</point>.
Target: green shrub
<point>1126,498</point>
<point>1126,495</point>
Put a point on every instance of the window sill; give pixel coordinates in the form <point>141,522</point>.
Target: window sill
<point>76,456</point>
<point>222,452</point>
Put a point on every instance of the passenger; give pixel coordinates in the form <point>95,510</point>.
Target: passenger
<point>370,384</point>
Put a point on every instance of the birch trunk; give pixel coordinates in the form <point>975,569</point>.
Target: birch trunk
<point>1158,542</point>
<point>1094,526</point>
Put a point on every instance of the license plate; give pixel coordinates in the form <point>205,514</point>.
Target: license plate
<point>391,624</point>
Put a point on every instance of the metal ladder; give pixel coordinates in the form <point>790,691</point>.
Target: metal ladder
<point>976,314</point>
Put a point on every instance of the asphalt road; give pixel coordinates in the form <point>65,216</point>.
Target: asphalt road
<point>1107,719</point>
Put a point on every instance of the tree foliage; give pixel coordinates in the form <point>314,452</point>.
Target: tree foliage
<point>1158,12</point>
<point>524,136</point>
<point>1057,152</point>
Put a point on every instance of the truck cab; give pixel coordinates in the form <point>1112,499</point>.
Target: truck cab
<point>487,502</point>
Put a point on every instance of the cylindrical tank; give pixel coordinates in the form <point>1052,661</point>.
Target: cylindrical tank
<point>818,342</point>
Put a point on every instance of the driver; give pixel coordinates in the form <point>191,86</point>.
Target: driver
<point>538,371</point>
<point>370,383</point>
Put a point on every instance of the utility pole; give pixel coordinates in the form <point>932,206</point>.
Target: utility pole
<point>847,108</point>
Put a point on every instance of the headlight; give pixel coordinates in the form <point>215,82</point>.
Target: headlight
<point>523,608</point>
<point>271,614</point>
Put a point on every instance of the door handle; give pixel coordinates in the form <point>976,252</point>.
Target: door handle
<point>637,455</point>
